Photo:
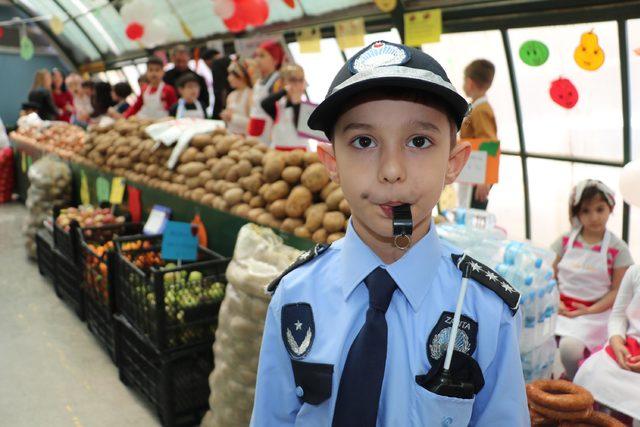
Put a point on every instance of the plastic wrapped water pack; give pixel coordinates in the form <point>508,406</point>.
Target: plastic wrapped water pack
<point>50,185</point>
<point>259,257</point>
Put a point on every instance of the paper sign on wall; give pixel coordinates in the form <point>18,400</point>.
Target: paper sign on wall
<point>350,33</point>
<point>157,221</point>
<point>85,198</point>
<point>180,241</point>
<point>135,203</point>
<point>117,190</point>
<point>484,163</point>
<point>306,108</point>
<point>424,26</point>
<point>102,189</point>
<point>309,39</point>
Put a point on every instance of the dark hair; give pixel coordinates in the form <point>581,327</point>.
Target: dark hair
<point>209,54</point>
<point>590,193</point>
<point>88,83</point>
<point>481,71</point>
<point>101,100</point>
<point>154,60</point>
<point>63,86</point>
<point>122,89</point>
<point>399,94</point>
<point>187,78</point>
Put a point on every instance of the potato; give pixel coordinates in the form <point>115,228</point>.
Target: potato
<point>257,169</point>
<point>294,158</point>
<point>277,190</point>
<point>334,199</point>
<point>212,162</point>
<point>179,179</point>
<point>315,177</point>
<point>241,210</point>
<point>267,219</point>
<point>189,155</point>
<point>201,157</point>
<point>247,196</point>
<point>244,168</point>
<point>210,151</point>
<point>221,168</point>
<point>299,200</point>
<point>320,236</point>
<point>166,175</point>
<point>333,221</point>
<point>255,156</point>
<point>302,232</point>
<point>328,189</point>
<point>232,174</point>
<point>234,154</point>
<point>344,207</point>
<point>310,158</point>
<point>201,140</point>
<point>210,185</point>
<point>314,216</point>
<point>223,146</point>
<point>194,182</point>
<point>278,209</point>
<point>192,168</point>
<point>197,194</point>
<point>291,224</point>
<point>254,213</point>
<point>233,196</point>
<point>273,169</point>
<point>152,170</point>
<point>334,236</point>
<point>251,183</point>
<point>292,174</point>
<point>207,199</point>
<point>257,202</point>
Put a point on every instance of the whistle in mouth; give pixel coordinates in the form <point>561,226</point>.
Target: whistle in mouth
<point>402,226</point>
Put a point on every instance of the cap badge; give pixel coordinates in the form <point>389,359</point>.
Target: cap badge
<point>379,54</point>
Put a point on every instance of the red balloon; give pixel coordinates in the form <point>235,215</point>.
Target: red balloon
<point>235,24</point>
<point>252,12</point>
<point>134,30</point>
<point>1,32</point>
<point>290,3</point>
<point>564,93</point>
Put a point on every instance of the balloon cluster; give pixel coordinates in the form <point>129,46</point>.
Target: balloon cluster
<point>140,24</point>
<point>237,15</point>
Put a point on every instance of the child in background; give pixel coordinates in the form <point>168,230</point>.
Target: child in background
<point>480,123</point>
<point>119,93</point>
<point>284,109</point>
<point>188,104</point>
<point>590,264</point>
<point>268,58</point>
<point>101,101</point>
<point>238,106</point>
<point>61,96</point>
<point>155,98</point>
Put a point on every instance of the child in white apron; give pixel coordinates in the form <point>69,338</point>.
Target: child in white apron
<point>188,105</point>
<point>236,113</point>
<point>590,264</point>
<point>268,58</point>
<point>613,374</point>
<point>284,108</point>
<point>157,97</point>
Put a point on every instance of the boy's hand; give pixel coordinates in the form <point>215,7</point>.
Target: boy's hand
<point>482,192</point>
<point>562,309</point>
<point>580,310</point>
<point>621,352</point>
<point>226,115</point>
<point>635,367</point>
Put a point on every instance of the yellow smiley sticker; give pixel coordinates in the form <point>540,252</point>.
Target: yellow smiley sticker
<point>589,55</point>
<point>386,5</point>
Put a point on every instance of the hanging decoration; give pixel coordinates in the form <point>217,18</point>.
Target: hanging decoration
<point>350,33</point>
<point>290,3</point>
<point>1,32</point>
<point>424,26</point>
<point>134,30</point>
<point>534,53</point>
<point>140,24</point>
<point>564,93</point>
<point>224,8</point>
<point>589,55</point>
<point>309,39</point>
<point>629,179</point>
<point>57,26</point>
<point>386,6</point>
<point>26,45</point>
<point>237,15</point>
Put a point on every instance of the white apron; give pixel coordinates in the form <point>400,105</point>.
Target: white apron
<point>583,274</point>
<point>259,121</point>
<point>183,113</point>
<point>284,133</point>
<point>610,385</point>
<point>152,106</point>
<point>239,119</point>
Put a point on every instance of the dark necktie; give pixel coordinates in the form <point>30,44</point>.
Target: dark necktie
<point>361,382</point>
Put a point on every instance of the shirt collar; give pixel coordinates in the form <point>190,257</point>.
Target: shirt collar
<point>481,100</point>
<point>413,273</point>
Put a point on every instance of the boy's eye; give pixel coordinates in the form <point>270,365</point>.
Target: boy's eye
<point>419,142</point>
<point>363,142</point>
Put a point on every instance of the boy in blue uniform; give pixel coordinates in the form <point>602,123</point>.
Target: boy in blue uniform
<point>357,332</point>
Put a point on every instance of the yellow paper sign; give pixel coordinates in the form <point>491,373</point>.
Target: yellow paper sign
<point>386,5</point>
<point>424,26</point>
<point>350,33</point>
<point>309,39</point>
<point>85,199</point>
<point>23,162</point>
<point>57,26</point>
<point>117,190</point>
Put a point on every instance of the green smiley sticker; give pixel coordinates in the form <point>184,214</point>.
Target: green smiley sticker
<point>534,53</point>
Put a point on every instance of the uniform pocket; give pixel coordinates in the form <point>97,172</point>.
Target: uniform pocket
<point>313,381</point>
<point>441,411</point>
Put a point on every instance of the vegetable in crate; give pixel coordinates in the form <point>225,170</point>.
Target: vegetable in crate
<point>87,217</point>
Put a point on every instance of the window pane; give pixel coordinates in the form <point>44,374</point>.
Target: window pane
<point>316,7</point>
<point>390,36</point>
<point>506,200</point>
<point>633,38</point>
<point>112,24</point>
<point>77,7</point>
<point>593,128</point>
<point>550,184</point>
<point>455,51</point>
<point>78,41</point>
<point>319,67</point>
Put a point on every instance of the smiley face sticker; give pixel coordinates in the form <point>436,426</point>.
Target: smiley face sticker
<point>564,93</point>
<point>589,55</point>
<point>534,53</point>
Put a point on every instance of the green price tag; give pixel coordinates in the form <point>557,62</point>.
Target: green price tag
<point>103,191</point>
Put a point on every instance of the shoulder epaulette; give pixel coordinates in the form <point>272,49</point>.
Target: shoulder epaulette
<point>488,278</point>
<point>304,258</point>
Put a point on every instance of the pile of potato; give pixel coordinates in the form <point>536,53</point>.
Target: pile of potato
<point>286,190</point>
<point>61,138</point>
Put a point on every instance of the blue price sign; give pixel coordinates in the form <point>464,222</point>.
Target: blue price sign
<point>180,241</point>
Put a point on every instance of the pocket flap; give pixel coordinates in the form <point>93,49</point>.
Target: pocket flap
<point>313,381</point>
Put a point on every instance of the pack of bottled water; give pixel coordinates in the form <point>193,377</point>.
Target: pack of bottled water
<point>527,268</point>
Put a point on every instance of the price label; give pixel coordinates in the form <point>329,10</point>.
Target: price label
<point>85,198</point>
<point>102,189</point>
<point>157,221</point>
<point>180,241</point>
<point>117,190</point>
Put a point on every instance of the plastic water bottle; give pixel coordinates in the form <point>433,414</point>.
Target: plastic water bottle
<point>541,314</point>
<point>529,320</point>
<point>555,302</point>
<point>479,219</point>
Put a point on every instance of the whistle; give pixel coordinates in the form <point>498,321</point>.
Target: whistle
<point>402,226</point>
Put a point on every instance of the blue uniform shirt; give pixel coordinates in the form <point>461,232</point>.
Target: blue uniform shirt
<point>428,285</point>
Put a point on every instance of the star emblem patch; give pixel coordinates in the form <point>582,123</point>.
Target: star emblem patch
<point>298,329</point>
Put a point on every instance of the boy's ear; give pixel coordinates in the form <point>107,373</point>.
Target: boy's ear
<point>457,161</point>
<point>328,158</point>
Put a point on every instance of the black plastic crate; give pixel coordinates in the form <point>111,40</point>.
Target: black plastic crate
<point>68,283</point>
<point>44,253</point>
<point>64,240</point>
<point>175,383</point>
<point>98,258</point>
<point>174,307</point>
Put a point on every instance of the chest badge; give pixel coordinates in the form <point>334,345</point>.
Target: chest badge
<point>298,329</point>
<point>438,340</point>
